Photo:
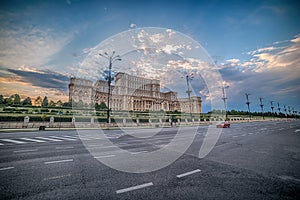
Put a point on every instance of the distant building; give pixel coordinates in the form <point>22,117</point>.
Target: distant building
<point>131,93</point>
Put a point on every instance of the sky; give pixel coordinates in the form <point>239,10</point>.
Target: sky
<point>255,45</point>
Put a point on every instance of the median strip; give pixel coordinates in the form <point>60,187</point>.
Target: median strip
<point>134,188</point>
<point>6,168</point>
<point>188,173</point>
<point>58,161</point>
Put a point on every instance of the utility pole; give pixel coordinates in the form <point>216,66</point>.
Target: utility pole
<point>248,103</point>
<point>225,99</point>
<point>262,107</point>
<point>111,58</point>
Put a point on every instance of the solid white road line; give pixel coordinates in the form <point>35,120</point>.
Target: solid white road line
<point>58,148</point>
<point>13,141</point>
<point>1,144</point>
<point>6,168</point>
<point>235,136</point>
<point>298,130</point>
<point>134,188</point>
<point>49,139</point>
<point>244,135</point>
<point>58,161</point>
<point>63,138</point>
<point>26,150</point>
<point>188,173</point>
<point>104,156</point>
<point>32,140</point>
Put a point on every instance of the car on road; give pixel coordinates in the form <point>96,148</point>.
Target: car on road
<point>223,124</point>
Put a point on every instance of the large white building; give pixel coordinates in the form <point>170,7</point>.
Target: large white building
<point>132,93</point>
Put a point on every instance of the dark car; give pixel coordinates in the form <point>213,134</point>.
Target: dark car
<point>224,124</point>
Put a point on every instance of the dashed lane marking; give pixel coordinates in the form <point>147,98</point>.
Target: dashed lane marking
<point>58,161</point>
<point>13,141</point>
<point>25,150</point>
<point>6,168</point>
<point>49,139</point>
<point>138,152</point>
<point>235,136</point>
<point>298,130</point>
<point>134,188</point>
<point>32,140</point>
<point>188,173</point>
<point>56,177</point>
<point>104,156</point>
<point>62,138</point>
<point>70,147</point>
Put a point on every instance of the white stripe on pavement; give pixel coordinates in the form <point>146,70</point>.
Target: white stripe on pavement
<point>298,130</point>
<point>50,139</point>
<point>26,150</point>
<point>63,138</point>
<point>13,141</point>
<point>104,156</point>
<point>138,152</point>
<point>71,147</point>
<point>73,137</point>
<point>1,144</point>
<point>6,168</point>
<point>58,161</point>
<point>32,140</point>
<point>134,188</point>
<point>188,173</point>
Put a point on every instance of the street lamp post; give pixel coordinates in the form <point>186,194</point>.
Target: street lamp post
<point>189,77</point>
<point>111,58</point>
<point>262,107</point>
<point>248,104</point>
<point>225,99</point>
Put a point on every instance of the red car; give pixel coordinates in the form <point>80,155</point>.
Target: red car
<point>225,124</point>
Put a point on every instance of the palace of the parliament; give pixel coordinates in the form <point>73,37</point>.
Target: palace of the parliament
<point>132,93</point>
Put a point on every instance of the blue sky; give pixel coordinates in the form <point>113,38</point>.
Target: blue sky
<point>255,44</point>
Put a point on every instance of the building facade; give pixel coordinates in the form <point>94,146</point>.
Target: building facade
<point>132,93</point>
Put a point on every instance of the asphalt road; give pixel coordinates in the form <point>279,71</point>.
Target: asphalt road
<point>257,160</point>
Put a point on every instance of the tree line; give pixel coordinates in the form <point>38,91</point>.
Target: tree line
<point>15,100</point>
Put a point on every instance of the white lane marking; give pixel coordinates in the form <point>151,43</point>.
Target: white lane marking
<point>26,150</point>
<point>139,152</point>
<point>235,136</point>
<point>73,137</point>
<point>244,135</point>
<point>6,168</point>
<point>32,140</point>
<point>188,173</point>
<point>63,138</point>
<point>13,141</point>
<point>298,130</point>
<point>1,144</point>
<point>250,133</point>
<point>58,161</point>
<point>263,129</point>
<point>56,177</point>
<point>104,156</point>
<point>290,178</point>
<point>70,147</point>
<point>50,139</point>
<point>134,188</point>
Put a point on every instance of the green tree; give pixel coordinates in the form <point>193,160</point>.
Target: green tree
<point>45,102</point>
<point>38,101</point>
<point>102,106</point>
<point>17,99</point>
<point>1,99</point>
<point>59,103</point>
<point>8,101</point>
<point>27,102</point>
<point>51,104</point>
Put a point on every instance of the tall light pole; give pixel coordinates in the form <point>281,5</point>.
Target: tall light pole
<point>225,99</point>
<point>248,103</point>
<point>262,107</point>
<point>189,77</point>
<point>278,107</point>
<point>272,107</point>
<point>111,59</point>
